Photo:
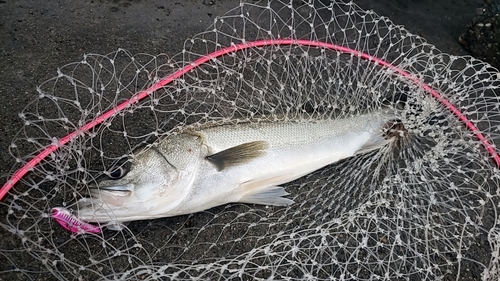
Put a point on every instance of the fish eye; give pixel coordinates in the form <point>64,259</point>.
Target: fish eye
<point>118,172</point>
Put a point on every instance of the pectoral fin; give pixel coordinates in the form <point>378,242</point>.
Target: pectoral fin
<point>238,155</point>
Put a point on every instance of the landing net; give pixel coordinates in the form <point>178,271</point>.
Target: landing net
<point>427,212</point>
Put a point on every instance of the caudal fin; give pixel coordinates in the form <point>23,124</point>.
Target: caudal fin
<point>390,132</point>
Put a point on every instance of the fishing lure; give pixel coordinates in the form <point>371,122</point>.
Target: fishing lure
<point>70,222</point>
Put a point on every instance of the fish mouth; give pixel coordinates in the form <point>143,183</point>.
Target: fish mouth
<point>118,190</point>
<point>103,203</point>
<point>116,195</point>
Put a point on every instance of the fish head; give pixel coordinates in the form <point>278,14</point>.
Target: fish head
<point>153,181</point>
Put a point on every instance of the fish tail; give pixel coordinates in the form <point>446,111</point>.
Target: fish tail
<point>389,133</point>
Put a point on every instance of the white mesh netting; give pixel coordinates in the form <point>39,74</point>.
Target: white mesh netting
<point>427,212</point>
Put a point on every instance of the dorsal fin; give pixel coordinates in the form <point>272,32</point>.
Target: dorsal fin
<point>238,155</point>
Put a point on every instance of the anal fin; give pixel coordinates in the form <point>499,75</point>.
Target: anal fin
<point>272,196</point>
<point>266,191</point>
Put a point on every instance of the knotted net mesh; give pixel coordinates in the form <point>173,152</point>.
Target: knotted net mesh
<point>426,210</point>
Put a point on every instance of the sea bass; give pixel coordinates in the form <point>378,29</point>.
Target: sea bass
<point>204,167</point>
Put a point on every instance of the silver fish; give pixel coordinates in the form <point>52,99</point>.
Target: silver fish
<point>204,167</point>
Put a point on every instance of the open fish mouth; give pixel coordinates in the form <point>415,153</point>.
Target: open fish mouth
<point>105,197</point>
<point>118,190</point>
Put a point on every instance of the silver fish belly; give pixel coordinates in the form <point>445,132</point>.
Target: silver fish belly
<point>246,162</point>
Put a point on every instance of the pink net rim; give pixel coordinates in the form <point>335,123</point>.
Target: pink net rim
<point>21,172</point>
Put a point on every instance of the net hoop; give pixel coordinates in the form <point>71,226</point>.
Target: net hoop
<point>21,172</point>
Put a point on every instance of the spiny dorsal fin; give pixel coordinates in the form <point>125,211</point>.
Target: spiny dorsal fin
<point>237,155</point>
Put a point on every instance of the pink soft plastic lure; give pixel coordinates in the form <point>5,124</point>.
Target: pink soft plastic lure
<point>70,222</point>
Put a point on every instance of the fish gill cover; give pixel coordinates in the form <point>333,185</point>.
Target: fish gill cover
<point>426,212</point>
